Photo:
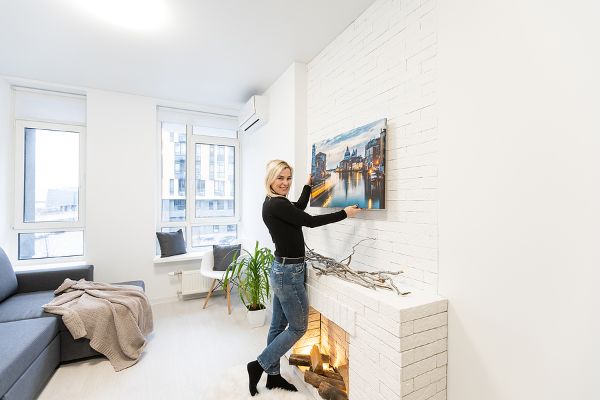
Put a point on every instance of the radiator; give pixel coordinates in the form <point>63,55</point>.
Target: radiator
<point>192,282</point>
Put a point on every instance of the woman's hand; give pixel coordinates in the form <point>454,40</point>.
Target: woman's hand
<point>309,180</point>
<point>351,211</point>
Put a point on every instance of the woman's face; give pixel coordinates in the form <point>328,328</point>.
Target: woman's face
<point>282,183</point>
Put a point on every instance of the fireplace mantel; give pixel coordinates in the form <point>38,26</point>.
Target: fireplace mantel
<point>397,344</point>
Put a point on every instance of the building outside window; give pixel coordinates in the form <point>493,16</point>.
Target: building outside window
<point>173,205</point>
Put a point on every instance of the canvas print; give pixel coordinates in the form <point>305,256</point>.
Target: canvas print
<point>350,168</point>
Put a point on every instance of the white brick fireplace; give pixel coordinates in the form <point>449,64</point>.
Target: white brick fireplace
<point>397,344</point>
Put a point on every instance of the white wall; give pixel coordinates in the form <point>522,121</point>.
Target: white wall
<point>6,160</point>
<point>301,153</point>
<point>383,66</point>
<point>519,196</point>
<point>283,137</point>
<point>121,189</point>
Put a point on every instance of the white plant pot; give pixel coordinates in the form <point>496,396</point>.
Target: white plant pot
<point>257,318</point>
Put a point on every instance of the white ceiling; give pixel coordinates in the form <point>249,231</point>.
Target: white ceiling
<point>213,52</point>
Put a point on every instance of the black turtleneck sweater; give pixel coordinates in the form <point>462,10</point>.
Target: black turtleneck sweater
<point>285,220</point>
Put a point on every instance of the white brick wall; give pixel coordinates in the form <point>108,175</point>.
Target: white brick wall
<point>397,345</point>
<point>383,65</point>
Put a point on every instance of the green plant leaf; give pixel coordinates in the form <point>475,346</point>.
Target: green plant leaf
<point>250,273</point>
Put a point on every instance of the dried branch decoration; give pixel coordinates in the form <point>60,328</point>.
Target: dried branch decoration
<point>341,269</point>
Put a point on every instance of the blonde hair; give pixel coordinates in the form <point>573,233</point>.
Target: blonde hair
<point>274,168</point>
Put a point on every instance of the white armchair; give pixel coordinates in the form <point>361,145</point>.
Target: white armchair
<point>214,268</point>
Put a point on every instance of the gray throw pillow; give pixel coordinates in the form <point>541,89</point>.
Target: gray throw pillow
<point>171,243</point>
<point>224,255</point>
<point>8,279</point>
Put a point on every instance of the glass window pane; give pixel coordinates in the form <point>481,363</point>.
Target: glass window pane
<point>215,180</point>
<point>50,244</point>
<point>207,235</point>
<point>51,187</point>
<point>173,178</point>
<point>202,130</point>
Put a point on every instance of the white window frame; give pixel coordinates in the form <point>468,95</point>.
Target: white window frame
<point>190,212</point>
<point>20,226</point>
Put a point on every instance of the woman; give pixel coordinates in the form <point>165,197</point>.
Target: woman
<point>285,220</point>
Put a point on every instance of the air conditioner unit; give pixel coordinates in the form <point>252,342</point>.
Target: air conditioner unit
<point>253,114</point>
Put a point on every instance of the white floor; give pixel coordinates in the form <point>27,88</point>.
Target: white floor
<point>187,352</point>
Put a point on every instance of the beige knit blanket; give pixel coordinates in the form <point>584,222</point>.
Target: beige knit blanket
<point>115,318</point>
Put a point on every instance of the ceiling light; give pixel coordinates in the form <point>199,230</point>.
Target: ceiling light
<point>140,15</point>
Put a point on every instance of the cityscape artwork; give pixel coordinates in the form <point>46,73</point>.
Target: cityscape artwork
<point>349,168</point>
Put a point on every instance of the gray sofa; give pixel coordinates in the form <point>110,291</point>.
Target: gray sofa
<point>32,342</point>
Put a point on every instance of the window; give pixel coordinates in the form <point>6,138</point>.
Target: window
<point>219,188</point>
<point>52,244</point>
<point>49,198</point>
<point>211,163</point>
<point>180,148</point>
<point>49,202</point>
<point>222,184</point>
<point>207,172</point>
<point>200,187</point>
<point>207,235</point>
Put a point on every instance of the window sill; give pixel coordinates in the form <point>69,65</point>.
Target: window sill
<point>196,255</point>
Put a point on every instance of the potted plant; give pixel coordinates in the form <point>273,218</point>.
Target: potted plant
<point>250,273</point>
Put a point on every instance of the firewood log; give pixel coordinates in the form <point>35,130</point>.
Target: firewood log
<point>316,380</point>
<point>343,370</point>
<point>316,361</point>
<point>329,392</point>
<point>299,360</point>
<point>332,375</point>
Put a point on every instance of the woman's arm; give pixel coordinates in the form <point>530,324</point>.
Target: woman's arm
<point>286,211</point>
<point>303,199</point>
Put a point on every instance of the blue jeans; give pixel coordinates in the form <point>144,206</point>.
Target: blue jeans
<point>290,307</point>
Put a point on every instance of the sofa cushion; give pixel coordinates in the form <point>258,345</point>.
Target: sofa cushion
<point>25,306</point>
<point>21,342</point>
<point>51,278</point>
<point>32,382</point>
<point>8,279</point>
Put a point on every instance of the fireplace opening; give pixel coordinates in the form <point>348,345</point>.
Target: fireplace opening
<point>321,357</point>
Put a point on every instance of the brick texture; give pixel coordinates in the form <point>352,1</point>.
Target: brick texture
<point>388,358</point>
<point>383,65</point>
